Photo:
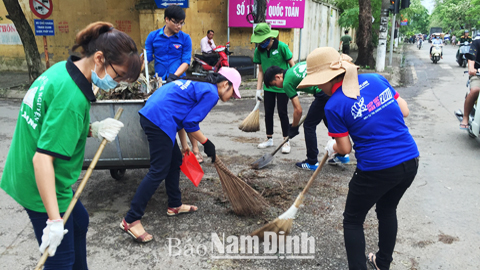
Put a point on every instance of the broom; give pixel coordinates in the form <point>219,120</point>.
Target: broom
<point>252,121</point>
<point>245,200</point>
<point>285,221</point>
<point>79,190</point>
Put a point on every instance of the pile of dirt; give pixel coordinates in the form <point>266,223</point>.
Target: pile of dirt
<point>127,91</point>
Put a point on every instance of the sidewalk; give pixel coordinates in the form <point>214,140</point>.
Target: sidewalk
<point>13,84</point>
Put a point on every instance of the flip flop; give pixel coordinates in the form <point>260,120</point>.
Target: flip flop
<point>126,228</point>
<point>464,126</point>
<point>177,210</point>
<point>371,260</point>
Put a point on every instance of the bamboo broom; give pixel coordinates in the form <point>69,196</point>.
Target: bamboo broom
<point>285,221</point>
<point>252,121</point>
<point>245,200</point>
<point>79,190</point>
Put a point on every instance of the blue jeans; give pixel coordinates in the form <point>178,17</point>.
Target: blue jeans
<point>72,252</point>
<point>315,114</point>
<point>384,188</point>
<point>165,161</point>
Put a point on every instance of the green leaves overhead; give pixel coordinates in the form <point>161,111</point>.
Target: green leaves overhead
<point>456,14</point>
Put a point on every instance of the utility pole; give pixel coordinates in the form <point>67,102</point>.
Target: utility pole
<point>382,37</point>
<point>392,40</point>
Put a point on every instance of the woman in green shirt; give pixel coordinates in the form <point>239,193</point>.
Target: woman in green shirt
<point>272,52</point>
<point>46,155</point>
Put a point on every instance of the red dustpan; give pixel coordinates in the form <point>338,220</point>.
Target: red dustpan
<point>191,168</point>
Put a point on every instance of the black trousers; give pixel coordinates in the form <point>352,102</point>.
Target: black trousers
<point>269,99</point>
<point>384,188</point>
<point>165,161</point>
<point>346,49</point>
<point>315,115</point>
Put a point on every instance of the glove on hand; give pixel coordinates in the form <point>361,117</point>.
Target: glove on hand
<point>329,147</point>
<point>172,77</point>
<point>107,129</point>
<point>258,95</point>
<point>52,236</point>
<point>292,131</point>
<point>209,149</point>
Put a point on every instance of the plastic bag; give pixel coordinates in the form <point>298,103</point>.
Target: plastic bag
<point>191,168</point>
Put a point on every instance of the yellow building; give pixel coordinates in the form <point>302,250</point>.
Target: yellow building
<point>139,17</point>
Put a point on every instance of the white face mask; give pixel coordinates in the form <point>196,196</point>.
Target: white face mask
<point>106,83</point>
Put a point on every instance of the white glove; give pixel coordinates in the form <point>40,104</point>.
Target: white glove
<point>258,95</point>
<point>52,236</point>
<point>107,129</point>
<point>329,147</point>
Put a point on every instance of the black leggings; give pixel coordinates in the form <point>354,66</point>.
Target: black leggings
<point>282,109</point>
<point>384,188</point>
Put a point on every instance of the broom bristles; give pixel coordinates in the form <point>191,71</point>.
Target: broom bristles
<point>276,226</point>
<point>252,121</point>
<point>245,200</point>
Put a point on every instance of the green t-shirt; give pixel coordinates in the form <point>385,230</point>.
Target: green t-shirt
<point>292,78</point>
<point>278,55</point>
<point>346,40</point>
<point>53,119</point>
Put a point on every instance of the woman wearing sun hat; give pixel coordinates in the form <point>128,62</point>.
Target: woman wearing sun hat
<point>178,107</point>
<point>272,52</point>
<point>368,110</point>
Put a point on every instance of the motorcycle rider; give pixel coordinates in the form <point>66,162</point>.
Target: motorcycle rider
<point>474,82</point>
<point>208,46</point>
<point>436,41</point>
<point>462,40</point>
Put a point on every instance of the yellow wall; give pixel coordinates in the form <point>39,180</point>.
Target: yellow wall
<point>70,16</point>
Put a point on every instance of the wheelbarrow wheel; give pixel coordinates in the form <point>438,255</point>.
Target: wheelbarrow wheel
<point>117,174</point>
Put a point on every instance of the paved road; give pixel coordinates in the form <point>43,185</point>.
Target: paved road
<point>438,217</point>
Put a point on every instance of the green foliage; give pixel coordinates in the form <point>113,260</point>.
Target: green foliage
<point>349,18</point>
<point>350,11</point>
<point>452,15</point>
<point>418,19</point>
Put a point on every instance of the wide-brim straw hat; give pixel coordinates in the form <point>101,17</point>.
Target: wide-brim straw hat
<point>261,32</point>
<point>324,64</point>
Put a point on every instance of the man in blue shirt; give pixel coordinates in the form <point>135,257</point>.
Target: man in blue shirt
<point>170,47</point>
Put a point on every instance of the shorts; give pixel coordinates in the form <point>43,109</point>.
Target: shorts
<point>475,81</point>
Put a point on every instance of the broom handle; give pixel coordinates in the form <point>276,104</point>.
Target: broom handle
<point>79,190</point>
<point>299,199</point>
<point>288,138</point>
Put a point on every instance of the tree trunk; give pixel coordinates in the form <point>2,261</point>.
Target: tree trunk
<point>364,35</point>
<point>34,63</point>
<point>261,11</point>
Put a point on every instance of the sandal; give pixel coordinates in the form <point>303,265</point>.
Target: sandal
<point>199,157</point>
<point>464,126</point>
<point>371,260</point>
<point>178,210</point>
<point>140,239</point>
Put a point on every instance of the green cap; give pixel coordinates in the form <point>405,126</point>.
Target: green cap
<point>262,31</point>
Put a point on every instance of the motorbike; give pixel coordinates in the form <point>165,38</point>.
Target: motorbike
<point>202,65</point>
<point>474,117</point>
<point>464,48</point>
<point>436,53</point>
<point>419,44</point>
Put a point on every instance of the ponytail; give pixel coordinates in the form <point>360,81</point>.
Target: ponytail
<point>117,47</point>
<point>212,78</point>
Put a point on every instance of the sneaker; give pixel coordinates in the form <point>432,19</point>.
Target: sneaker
<point>339,159</point>
<point>265,144</point>
<point>305,165</point>
<point>286,148</point>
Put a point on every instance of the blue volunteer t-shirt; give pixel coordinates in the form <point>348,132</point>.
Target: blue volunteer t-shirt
<point>180,104</point>
<point>169,52</point>
<point>374,122</point>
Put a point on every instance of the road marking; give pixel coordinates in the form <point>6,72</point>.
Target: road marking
<point>445,66</point>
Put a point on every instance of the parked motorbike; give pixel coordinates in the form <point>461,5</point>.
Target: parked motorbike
<point>474,117</point>
<point>202,65</point>
<point>436,53</point>
<point>462,50</point>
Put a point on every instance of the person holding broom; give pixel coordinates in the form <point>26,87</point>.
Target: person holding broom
<point>178,108</point>
<point>271,52</point>
<point>46,155</point>
<point>368,110</point>
<point>288,80</point>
